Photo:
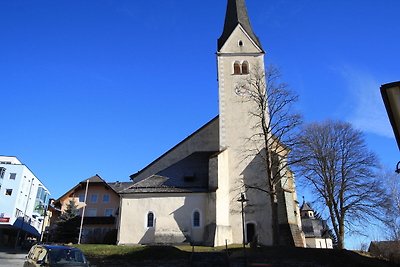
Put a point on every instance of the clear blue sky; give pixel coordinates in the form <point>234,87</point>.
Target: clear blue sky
<point>107,86</point>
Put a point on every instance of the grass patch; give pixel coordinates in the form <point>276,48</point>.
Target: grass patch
<point>133,252</point>
<point>111,255</point>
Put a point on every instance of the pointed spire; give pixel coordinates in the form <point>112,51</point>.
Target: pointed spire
<point>236,13</point>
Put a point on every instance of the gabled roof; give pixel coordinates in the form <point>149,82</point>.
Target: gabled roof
<point>96,179</point>
<point>236,13</point>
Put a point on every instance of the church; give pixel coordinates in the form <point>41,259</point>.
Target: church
<point>191,193</point>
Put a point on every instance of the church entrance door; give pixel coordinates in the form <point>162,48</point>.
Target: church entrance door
<point>250,232</point>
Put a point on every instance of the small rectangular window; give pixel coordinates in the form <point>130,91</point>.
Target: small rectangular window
<point>108,212</point>
<point>81,198</point>
<point>106,198</point>
<point>2,172</point>
<point>91,212</point>
<point>12,176</point>
<point>93,198</point>
<point>8,192</point>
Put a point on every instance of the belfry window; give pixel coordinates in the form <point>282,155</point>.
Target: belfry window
<point>150,219</point>
<point>240,68</point>
<point>236,68</point>
<point>245,67</point>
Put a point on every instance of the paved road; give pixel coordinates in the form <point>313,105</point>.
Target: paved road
<point>10,258</point>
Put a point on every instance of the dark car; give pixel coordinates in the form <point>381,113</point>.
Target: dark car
<point>55,255</point>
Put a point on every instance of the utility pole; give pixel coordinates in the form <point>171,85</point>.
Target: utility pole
<point>83,212</point>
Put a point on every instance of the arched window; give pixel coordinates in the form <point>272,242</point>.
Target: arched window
<point>236,68</point>
<point>150,219</point>
<point>245,67</point>
<point>196,219</point>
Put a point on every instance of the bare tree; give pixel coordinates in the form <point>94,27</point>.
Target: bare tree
<point>340,170</point>
<point>274,130</point>
<point>392,209</point>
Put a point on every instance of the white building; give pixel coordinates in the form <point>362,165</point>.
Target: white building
<point>190,193</point>
<point>315,229</point>
<point>23,199</point>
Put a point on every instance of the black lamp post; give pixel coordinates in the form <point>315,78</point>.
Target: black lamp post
<point>242,200</point>
<point>391,98</point>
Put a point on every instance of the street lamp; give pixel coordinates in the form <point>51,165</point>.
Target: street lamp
<point>242,200</point>
<point>391,98</point>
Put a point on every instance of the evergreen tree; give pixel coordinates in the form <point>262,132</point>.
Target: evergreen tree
<point>68,225</point>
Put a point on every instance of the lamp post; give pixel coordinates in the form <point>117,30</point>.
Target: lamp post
<point>242,200</point>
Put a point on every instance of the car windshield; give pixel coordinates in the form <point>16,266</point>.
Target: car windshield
<point>61,256</point>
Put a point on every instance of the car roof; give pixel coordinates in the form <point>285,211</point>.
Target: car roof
<point>48,246</point>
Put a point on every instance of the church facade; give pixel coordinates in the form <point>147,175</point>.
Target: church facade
<point>190,193</point>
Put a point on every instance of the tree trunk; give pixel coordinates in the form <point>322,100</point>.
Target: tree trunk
<point>341,236</point>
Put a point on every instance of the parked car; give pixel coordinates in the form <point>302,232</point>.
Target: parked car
<point>55,255</point>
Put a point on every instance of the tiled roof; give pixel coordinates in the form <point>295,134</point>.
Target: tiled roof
<point>156,184</point>
<point>120,186</point>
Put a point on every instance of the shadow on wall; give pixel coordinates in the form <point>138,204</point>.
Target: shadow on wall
<point>258,208</point>
<point>149,236</point>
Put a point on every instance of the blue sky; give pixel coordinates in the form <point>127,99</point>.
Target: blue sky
<point>107,86</point>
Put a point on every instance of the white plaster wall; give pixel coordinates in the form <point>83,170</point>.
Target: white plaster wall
<point>223,231</point>
<point>173,218</point>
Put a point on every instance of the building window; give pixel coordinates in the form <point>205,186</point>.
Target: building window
<point>93,198</point>
<point>8,192</point>
<point>240,43</point>
<point>12,176</point>
<point>81,198</point>
<point>196,219</point>
<point>245,67</point>
<point>2,172</point>
<point>108,212</point>
<point>150,219</point>
<point>106,198</point>
<point>236,68</point>
<point>91,213</point>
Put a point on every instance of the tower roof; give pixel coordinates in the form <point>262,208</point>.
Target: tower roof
<point>236,13</point>
<point>305,207</point>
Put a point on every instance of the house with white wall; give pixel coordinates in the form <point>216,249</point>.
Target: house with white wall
<point>315,229</point>
<point>23,200</point>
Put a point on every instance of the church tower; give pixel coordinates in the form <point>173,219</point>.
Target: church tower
<point>239,50</point>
